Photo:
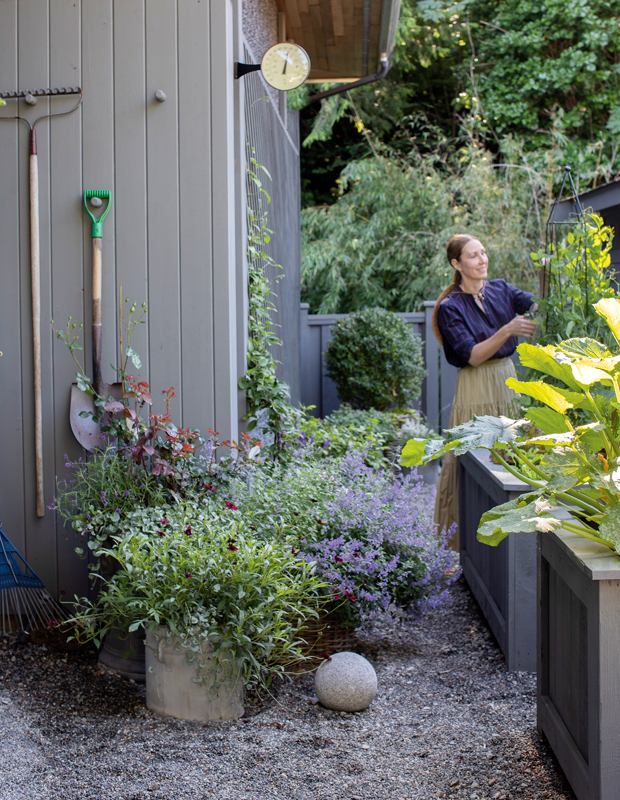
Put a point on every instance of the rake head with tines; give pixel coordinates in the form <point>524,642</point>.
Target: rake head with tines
<point>23,593</point>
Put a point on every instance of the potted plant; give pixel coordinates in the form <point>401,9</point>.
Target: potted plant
<point>221,608</point>
<point>574,504</point>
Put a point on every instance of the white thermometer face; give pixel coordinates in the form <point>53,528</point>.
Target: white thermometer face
<point>285,66</point>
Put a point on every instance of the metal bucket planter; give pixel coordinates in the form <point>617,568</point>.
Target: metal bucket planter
<point>173,689</point>
<point>124,653</point>
<point>502,578</point>
<point>578,657</point>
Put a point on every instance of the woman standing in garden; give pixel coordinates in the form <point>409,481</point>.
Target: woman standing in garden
<point>477,322</point>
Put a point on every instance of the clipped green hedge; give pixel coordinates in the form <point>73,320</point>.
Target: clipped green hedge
<point>375,360</point>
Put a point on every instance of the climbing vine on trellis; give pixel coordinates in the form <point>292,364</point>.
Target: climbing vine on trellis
<point>266,394</point>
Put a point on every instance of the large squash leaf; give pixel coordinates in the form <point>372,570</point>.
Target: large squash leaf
<point>421,451</point>
<point>547,420</point>
<point>566,469</point>
<point>609,309</point>
<point>544,393</point>
<point>529,512</point>
<point>609,528</point>
<point>583,348</point>
<point>543,359</point>
<point>484,431</point>
<point>555,439</point>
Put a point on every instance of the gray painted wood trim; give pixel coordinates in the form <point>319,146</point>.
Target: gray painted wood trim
<point>596,775</point>
<point>479,463</point>
<point>223,242</point>
<point>596,561</point>
<point>502,578</point>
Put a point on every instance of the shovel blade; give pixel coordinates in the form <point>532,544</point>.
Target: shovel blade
<point>85,429</point>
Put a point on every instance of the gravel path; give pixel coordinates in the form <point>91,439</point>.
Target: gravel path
<point>448,722</point>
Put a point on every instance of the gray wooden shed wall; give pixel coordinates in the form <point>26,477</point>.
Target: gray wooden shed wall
<point>174,236</point>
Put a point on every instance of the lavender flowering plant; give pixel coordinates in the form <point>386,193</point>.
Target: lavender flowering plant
<point>369,532</point>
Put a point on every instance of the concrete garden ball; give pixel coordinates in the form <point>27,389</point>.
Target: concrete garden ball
<point>346,682</point>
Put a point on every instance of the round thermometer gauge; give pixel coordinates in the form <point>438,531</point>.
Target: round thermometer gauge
<point>285,66</point>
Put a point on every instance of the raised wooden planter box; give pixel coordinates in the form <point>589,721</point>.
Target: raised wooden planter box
<point>579,661</point>
<point>502,578</point>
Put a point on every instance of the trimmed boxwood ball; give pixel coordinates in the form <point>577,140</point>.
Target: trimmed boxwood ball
<point>375,360</point>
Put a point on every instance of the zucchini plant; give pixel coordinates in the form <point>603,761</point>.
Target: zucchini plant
<point>580,424</point>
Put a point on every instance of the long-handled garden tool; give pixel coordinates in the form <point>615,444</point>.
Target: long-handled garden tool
<point>84,416</point>
<point>30,97</point>
<point>23,594</point>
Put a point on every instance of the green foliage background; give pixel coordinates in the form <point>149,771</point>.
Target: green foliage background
<point>392,169</point>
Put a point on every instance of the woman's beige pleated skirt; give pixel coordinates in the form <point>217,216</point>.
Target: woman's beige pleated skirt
<point>479,390</point>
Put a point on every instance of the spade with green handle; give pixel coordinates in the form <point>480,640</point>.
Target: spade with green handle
<point>85,418</point>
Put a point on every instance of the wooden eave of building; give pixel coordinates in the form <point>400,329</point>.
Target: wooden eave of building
<point>345,39</point>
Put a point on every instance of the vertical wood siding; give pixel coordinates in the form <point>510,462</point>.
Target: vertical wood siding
<point>172,237</point>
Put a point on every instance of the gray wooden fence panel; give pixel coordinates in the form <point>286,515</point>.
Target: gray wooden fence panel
<point>11,367</point>
<point>223,210</point>
<point>195,212</point>
<point>430,398</point>
<point>98,167</point>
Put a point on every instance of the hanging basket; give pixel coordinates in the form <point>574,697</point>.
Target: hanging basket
<point>322,637</point>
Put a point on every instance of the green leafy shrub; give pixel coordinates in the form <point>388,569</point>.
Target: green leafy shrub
<point>375,360</point>
<point>370,432</point>
<point>202,574</point>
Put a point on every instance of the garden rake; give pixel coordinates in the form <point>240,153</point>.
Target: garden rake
<point>31,98</point>
<point>23,593</point>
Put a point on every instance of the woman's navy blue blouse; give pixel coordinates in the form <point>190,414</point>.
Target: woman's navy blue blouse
<point>463,324</point>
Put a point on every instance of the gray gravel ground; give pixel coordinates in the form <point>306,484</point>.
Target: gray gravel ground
<point>448,722</point>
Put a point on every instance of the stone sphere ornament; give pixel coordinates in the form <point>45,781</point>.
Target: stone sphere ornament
<point>346,682</point>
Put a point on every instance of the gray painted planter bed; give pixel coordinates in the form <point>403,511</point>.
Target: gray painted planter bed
<point>579,661</point>
<point>502,578</point>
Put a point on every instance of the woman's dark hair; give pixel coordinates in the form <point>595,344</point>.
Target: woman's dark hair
<point>453,250</point>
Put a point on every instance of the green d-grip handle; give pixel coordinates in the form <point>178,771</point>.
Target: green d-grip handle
<point>102,194</point>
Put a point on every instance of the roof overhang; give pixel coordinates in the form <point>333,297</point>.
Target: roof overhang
<point>345,39</point>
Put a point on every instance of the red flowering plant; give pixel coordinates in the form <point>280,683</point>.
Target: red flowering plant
<point>145,459</point>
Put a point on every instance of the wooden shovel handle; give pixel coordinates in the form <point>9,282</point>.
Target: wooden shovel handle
<point>97,330</point>
<point>35,282</point>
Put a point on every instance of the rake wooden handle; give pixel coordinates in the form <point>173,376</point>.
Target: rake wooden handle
<point>35,282</point>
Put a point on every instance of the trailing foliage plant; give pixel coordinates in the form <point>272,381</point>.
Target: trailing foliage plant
<point>580,468</point>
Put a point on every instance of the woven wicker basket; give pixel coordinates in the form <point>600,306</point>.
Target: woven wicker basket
<point>321,638</point>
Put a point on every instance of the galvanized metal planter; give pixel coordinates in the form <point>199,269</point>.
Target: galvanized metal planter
<point>578,661</point>
<point>502,578</point>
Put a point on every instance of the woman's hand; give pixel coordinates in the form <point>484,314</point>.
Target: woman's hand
<point>520,326</point>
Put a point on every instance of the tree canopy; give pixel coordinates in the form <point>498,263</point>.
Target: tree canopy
<point>479,91</point>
